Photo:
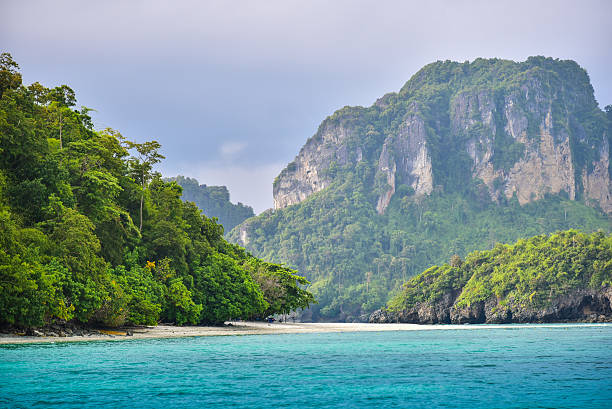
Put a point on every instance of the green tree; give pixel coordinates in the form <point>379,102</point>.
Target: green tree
<point>283,290</point>
<point>142,166</point>
<point>225,290</point>
<point>181,308</point>
<point>10,78</point>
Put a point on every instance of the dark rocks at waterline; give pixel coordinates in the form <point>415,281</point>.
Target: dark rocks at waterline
<point>61,329</point>
<point>578,306</point>
<point>52,332</point>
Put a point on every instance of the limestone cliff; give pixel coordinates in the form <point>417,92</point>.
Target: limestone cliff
<point>405,155</point>
<point>544,164</point>
<point>307,174</point>
<point>597,182</point>
<point>525,130</point>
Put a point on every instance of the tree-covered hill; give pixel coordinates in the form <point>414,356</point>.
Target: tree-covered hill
<point>214,201</point>
<point>90,233</point>
<point>464,156</point>
<point>562,276</point>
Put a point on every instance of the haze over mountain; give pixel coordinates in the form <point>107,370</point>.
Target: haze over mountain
<point>463,156</point>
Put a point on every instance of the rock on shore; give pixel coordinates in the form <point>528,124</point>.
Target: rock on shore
<point>578,306</point>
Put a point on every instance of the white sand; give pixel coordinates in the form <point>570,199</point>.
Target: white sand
<point>260,328</point>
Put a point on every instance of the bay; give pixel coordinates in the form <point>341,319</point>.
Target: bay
<point>562,366</point>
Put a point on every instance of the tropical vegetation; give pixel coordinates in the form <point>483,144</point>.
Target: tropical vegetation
<point>90,233</point>
<point>531,272</point>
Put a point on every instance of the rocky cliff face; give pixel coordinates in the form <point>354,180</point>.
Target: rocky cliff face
<point>578,306</point>
<point>596,183</point>
<point>308,173</point>
<point>529,129</point>
<point>405,156</point>
<point>543,157</point>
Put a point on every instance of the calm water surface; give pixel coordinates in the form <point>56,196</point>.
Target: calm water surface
<point>522,367</point>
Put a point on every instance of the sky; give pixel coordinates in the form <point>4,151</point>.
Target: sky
<point>232,89</point>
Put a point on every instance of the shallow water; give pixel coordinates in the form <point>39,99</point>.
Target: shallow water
<point>522,367</point>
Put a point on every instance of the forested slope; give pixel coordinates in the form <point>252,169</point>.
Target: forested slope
<point>90,233</point>
<point>566,276</point>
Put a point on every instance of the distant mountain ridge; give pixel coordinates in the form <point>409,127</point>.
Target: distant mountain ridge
<point>214,201</point>
<point>463,156</point>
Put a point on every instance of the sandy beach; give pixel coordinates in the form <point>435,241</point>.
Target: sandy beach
<point>253,328</point>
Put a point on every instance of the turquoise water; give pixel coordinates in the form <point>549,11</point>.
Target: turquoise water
<point>521,367</point>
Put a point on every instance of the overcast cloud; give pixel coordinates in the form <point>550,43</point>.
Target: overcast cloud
<point>232,89</point>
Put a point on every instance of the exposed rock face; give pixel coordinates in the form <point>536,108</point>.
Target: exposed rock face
<point>577,306</point>
<point>524,138</point>
<point>244,234</point>
<point>468,110</point>
<point>406,157</point>
<point>545,165</point>
<point>547,168</point>
<point>387,167</point>
<point>306,174</point>
<point>597,182</point>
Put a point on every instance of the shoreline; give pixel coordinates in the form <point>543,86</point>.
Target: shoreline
<point>240,328</point>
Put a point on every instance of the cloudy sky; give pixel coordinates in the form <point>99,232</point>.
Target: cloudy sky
<point>232,89</point>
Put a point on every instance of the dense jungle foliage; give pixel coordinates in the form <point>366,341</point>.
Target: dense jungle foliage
<point>355,257</point>
<point>531,272</point>
<point>89,232</point>
<point>214,201</point>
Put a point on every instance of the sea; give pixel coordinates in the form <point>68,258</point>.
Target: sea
<point>522,366</point>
